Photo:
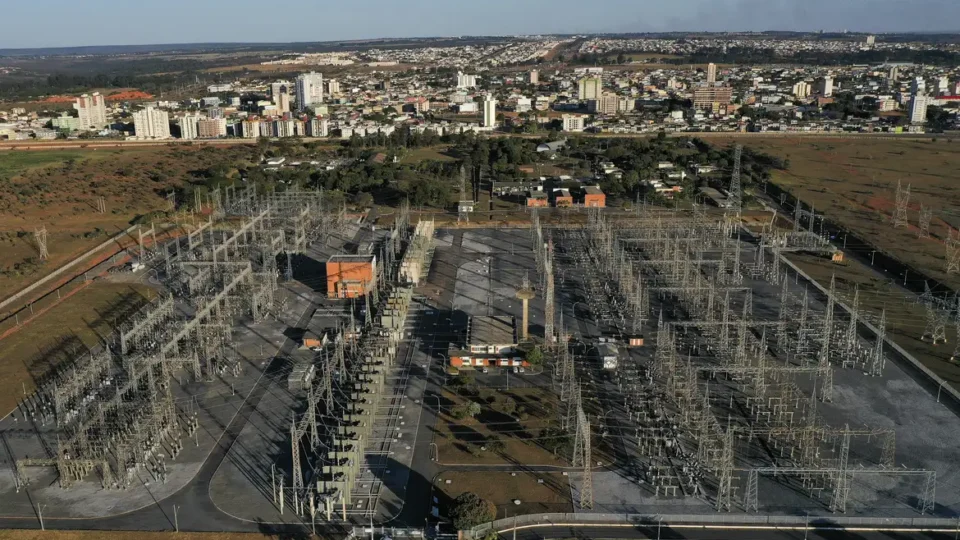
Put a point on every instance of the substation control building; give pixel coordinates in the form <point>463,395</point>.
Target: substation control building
<point>491,341</point>
<point>350,276</point>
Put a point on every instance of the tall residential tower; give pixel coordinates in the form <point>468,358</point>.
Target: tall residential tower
<point>92,111</point>
<point>309,89</point>
<point>489,111</point>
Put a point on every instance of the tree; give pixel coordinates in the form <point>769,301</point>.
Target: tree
<point>465,410</point>
<point>496,445</point>
<point>466,378</point>
<point>363,199</point>
<point>470,510</point>
<point>535,356</point>
<point>505,404</point>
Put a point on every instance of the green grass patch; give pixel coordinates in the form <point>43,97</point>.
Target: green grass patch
<point>429,153</point>
<point>14,162</point>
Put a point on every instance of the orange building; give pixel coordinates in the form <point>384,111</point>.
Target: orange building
<point>350,276</point>
<point>562,198</point>
<point>537,199</point>
<point>593,197</point>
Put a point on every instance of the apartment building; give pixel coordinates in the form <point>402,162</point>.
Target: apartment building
<point>212,128</point>
<point>151,123</point>
<point>91,111</point>
<point>712,97</point>
<point>309,89</point>
<point>188,127</point>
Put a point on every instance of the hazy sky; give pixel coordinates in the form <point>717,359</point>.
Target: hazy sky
<point>58,23</point>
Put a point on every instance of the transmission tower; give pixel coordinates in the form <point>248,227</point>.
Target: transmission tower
<point>41,237</point>
<point>101,205</point>
<point>735,197</point>
<point>926,213</point>
<point>841,488</point>
<point>877,361</point>
<point>902,202</point>
<point>956,322</point>
<point>465,205</point>
<point>935,328</point>
<point>952,246</point>
<point>549,310</point>
<point>851,337</point>
<point>581,456</point>
<point>295,435</point>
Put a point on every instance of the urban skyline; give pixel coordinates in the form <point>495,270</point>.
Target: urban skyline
<point>351,22</point>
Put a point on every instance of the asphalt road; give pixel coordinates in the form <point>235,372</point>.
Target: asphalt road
<point>696,532</point>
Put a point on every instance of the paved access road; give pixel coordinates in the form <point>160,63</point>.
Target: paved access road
<point>697,532</point>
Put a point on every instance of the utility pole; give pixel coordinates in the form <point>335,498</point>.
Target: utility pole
<point>176,520</point>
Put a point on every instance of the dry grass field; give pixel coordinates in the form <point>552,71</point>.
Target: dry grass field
<point>463,441</point>
<point>854,183</point>
<point>75,325</point>
<point>59,190</point>
<point>537,492</point>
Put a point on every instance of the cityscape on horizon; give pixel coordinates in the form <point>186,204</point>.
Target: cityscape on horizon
<point>500,18</point>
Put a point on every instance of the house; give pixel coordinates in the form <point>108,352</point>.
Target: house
<point>593,197</point>
<point>668,190</point>
<point>537,199</point>
<point>703,169</point>
<point>562,198</point>
<point>664,165</point>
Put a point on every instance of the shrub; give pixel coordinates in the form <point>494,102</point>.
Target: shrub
<point>470,510</point>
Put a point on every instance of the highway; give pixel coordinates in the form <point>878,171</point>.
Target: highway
<point>93,144</point>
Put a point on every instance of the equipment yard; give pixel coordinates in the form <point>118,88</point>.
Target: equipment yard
<point>300,370</point>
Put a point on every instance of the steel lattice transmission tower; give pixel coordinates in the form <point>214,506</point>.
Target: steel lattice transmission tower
<point>926,213</point>
<point>735,198</point>
<point>935,328</point>
<point>465,204</point>
<point>41,237</point>
<point>902,202</point>
<point>952,246</point>
<point>582,456</point>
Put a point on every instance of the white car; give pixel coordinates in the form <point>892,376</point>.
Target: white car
<point>485,370</point>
